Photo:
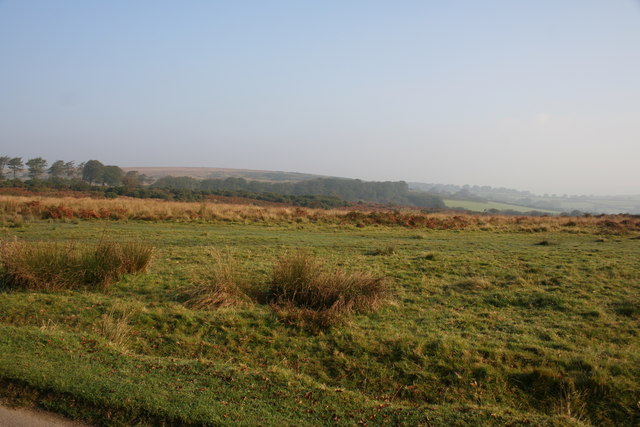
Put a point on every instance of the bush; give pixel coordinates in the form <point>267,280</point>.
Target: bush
<point>303,289</point>
<point>52,265</point>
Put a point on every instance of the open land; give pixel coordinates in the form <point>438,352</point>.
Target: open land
<point>490,321</point>
<point>204,172</point>
<point>485,206</point>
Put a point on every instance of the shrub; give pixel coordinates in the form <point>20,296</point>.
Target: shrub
<point>223,284</point>
<point>303,289</point>
<point>52,265</point>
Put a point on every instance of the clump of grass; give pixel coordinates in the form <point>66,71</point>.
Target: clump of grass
<point>473,284</point>
<point>54,266</point>
<point>135,256</point>
<point>224,283</point>
<point>114,326</point>
<point>304,290</point>
<point>386,250</point>
<point>429,256</point>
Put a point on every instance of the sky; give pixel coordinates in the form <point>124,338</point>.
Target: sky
<point>539,95</point>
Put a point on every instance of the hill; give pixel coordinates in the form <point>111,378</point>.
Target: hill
<point>554,203</point>
<point>471,197</point>
<point>221,173</point>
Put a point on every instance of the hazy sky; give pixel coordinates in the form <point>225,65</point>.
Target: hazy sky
<point>541,95</point>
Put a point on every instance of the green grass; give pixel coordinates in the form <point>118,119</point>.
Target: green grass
<point>485,206</point>
<point>483,329</point>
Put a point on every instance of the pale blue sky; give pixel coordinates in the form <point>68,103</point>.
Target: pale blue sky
<point>541,95</point>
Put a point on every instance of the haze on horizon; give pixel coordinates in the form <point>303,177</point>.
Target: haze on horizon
<point>541,96</point>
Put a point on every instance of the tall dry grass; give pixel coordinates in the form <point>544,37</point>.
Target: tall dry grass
<point>114,326</point>
<point>15,209</point>
<point>303,290</point>
<point>54,266</point>
<point>222,283</point>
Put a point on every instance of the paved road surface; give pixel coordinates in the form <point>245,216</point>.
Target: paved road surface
<point>23,417</point>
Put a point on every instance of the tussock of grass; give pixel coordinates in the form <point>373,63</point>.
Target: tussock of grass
<point>114,326</point>
<point>134,256</point>
<point>54,266</point>
<point>223,284</point>
<point>303,290</point>
<point>386,250</point>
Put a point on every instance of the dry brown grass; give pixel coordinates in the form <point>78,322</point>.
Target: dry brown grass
<point>305,291</point>
<point>114,326</point>
<point>16,209</point>
<point>53,265</point>
<point>223,283</point>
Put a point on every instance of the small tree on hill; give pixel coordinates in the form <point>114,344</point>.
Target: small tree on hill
<point>130,180</point>
<point>16,165</point>
<point>36,167</point>
<point>71,170</point>
<point>92,171</point>
<point>112,175</point>
<point>57,169</point>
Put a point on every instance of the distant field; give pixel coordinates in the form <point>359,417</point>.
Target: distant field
<point>485,327</point>
<point>203,173</point>
<point>484,206</point>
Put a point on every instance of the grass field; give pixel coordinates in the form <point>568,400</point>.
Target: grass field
<point>485,206</point>
<point>483,328</point>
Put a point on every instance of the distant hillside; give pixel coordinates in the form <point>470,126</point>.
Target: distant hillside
<point>479,196</point>
<point>553,202</point>
<point>222,173</point>
<point>352,190</point>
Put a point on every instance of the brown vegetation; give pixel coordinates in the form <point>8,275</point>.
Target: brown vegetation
<point>20,208</point>
<point>302,290</point>
<point>305,292</point>
<point>53,265</point>
<point>222,284</point>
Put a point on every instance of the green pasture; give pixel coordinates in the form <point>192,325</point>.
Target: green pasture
<point>485,206</point>
<point>484,328</point>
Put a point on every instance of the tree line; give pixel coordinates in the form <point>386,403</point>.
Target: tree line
<point>352,190</point>
<point>92,172</point>
<point>112,181</point>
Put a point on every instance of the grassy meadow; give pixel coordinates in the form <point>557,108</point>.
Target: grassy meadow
<point>483,321</point>
<point>485,206</point>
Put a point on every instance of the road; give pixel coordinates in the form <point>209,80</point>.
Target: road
<point>26,417</point>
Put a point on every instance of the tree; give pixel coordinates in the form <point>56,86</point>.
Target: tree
<point>16,165</point>
<point>57,169</point>
<point>131,180</point>
<point>71,170</point>
<point>112,175</point>
<point>36,166</point>
<point>92,171</point>
<point>3,163</point>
